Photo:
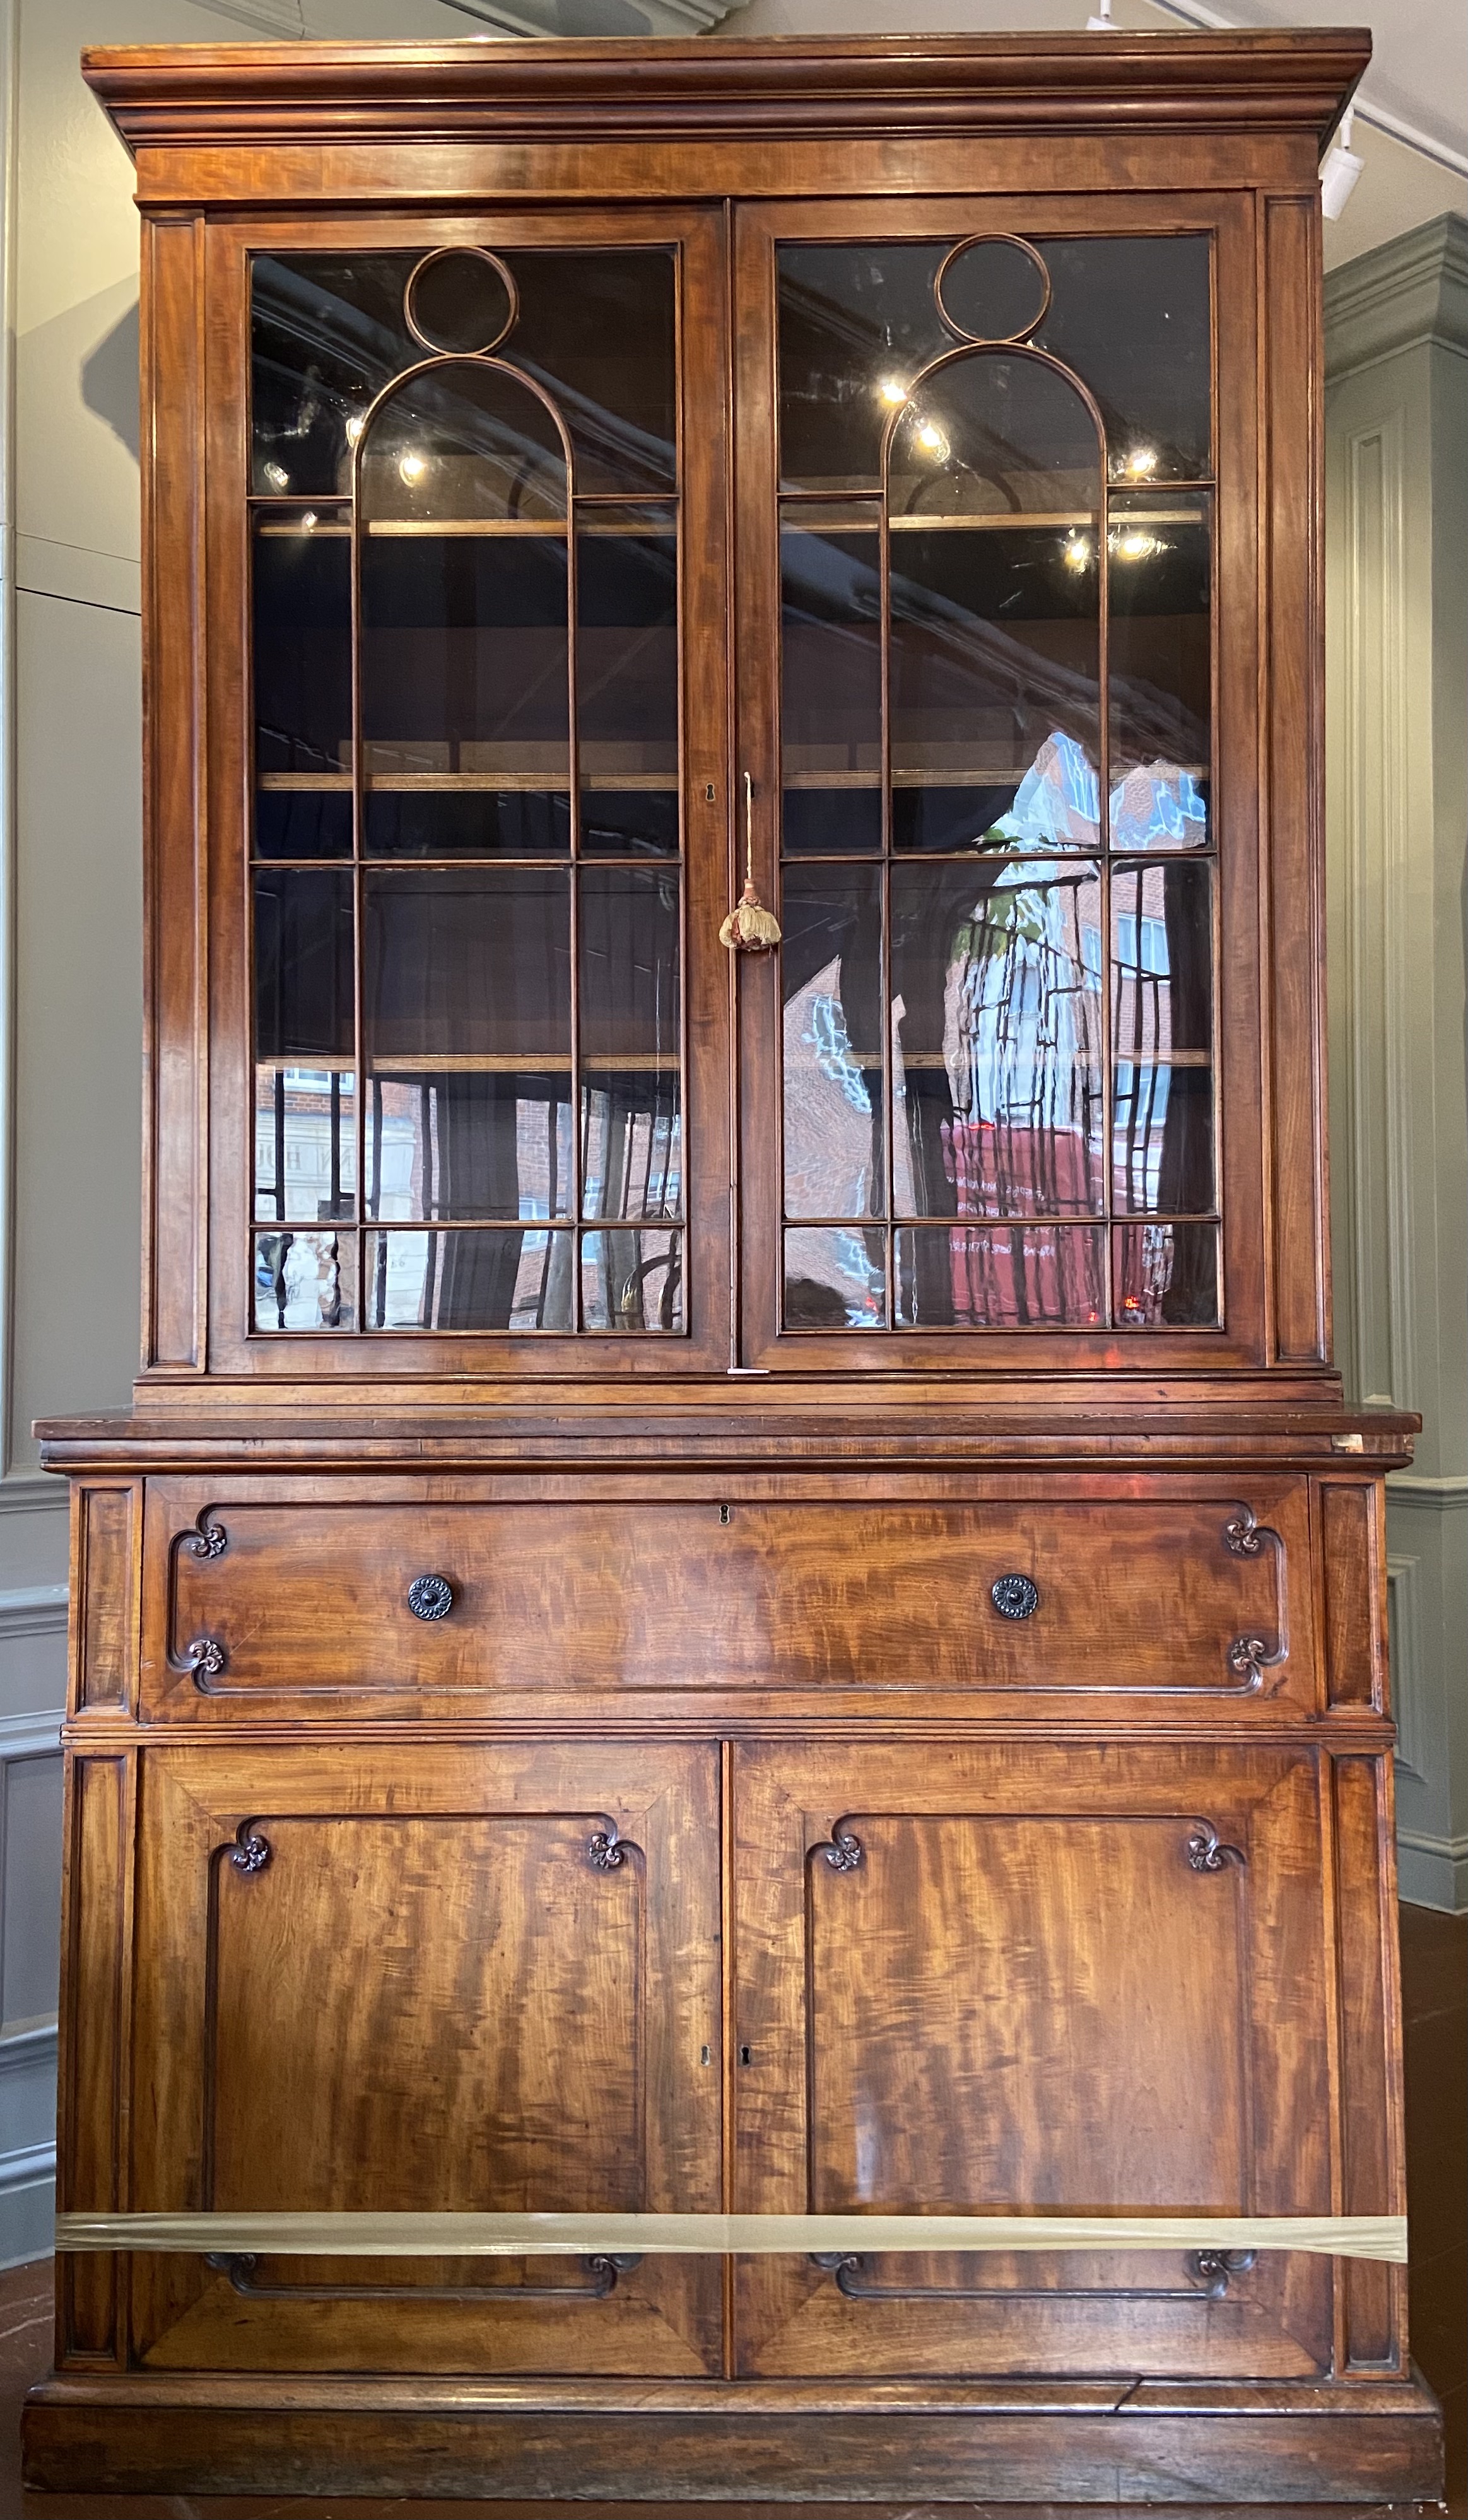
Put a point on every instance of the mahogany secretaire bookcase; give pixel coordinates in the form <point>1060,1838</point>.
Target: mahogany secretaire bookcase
<point>738,1586</point>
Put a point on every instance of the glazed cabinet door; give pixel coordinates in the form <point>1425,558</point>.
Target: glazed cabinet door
<point>470,1064</point>
<point>1081,1980</point>
<point>427,1979</point>
<point>998,620</point>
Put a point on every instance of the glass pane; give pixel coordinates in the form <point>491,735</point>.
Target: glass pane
<point>627,681</point>
<point>835,1279</point>
<point>305,1282</point>
<point>1166,1276</point>
<point>492,1279</point>
<point>632,1146</point>
<point>831,964</point>
<point>995,434</point>
<point>632,1281</point>
<point>996,660</point>
<point>629,1004</point>
<point>1161,961</point>
<point>978,1276</point>
<point>831,684</point>
<point>997,1019</point>
<point>306,1143</point>
<point>1162,1139</point>
<point>304,982</point>
<point>468,1146</point>
<point>1158,568</point>
<point>856,323</point>
<point>599,331</point>
<point>327,335</point>
<point>303,684</point>
<point>1131,316</point>
<point>466,969</point>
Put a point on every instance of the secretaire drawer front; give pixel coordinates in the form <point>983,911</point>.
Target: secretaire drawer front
<point>1199,1595</point>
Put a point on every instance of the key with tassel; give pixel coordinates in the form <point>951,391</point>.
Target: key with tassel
<point>750,927</point>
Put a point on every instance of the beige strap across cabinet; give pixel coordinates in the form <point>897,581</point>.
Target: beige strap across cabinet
<point>506,2235</point>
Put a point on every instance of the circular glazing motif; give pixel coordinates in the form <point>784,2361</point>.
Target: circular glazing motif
<point>461,302</point>
<point>993,289</point>
<point>1015,1597</point>
<point>431,1596</point>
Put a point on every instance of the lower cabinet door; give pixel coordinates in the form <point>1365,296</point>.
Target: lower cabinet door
<point>412,1978</point>
<point>1027,1977</point>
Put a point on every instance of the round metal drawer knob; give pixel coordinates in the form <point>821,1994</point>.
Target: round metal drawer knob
<point>431,1596</point>
<point>1015,1597</point>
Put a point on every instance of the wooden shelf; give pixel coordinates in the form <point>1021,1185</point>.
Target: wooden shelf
<point>384,1066</point>
<point>473,783</point>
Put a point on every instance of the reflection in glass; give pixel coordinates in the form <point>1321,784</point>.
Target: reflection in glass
<point>492,1279</point>
<point>835,1279</point>
<point>303,684</point>
<point>994,433</point>
<point>857,321</point>
<point>1162,960</point>
<point>305,1282</point>
<point>1132,315</point>
<point>997,1017</point>
<point>1166,1276</point>
<point>627,681</point>
<point>1158,568</point>
<point>994,723</point>
<point>597,329</point>
<point>306,1143</point>
<point>831,963</point>
<point>468,1146</point>
<point>1162,1139</point>
<point>467,968</point>
<point>986,1277</point>
<point>632,1148</point>
<point>632,1281</point>
<point>830,685</point>
<point>629,1001</point>
<point>303,984</point>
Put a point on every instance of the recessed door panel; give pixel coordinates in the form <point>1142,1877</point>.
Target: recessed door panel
<point>482,1980</point>
<point>1031,1980</point>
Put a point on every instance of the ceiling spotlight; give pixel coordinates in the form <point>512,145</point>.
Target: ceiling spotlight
<point>1101,25</point>
<point>931,439</point>
<point>1141,462</point>
<point>308,521</point>
<point>1075,552</point>
<point>411,469</point>
<point>276,476</point>
<point>1341,172</point>
<point>354,427</point>
<point>893,391</point>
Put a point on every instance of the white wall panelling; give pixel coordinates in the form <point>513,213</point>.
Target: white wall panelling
<point>1396,522</point>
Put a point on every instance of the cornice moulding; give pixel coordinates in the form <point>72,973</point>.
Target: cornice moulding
<point>1287,80</point>
<point>1411,291</point>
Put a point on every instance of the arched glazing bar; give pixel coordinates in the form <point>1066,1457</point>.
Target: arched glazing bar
<point>466,513</point>
<point>984,940</point>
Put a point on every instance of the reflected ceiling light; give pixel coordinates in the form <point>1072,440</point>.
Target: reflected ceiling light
<point>931,439</point>
<point>276,476</point>
<point>411,468</point>
<point>308,521</point>
<point>1341,172</point>
<point>891,390</point>
<point>354,427</point>
<point>1141,462</point>
<point>1075,552</point>
<point>1101,25</point>
<point>1137,546</point>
